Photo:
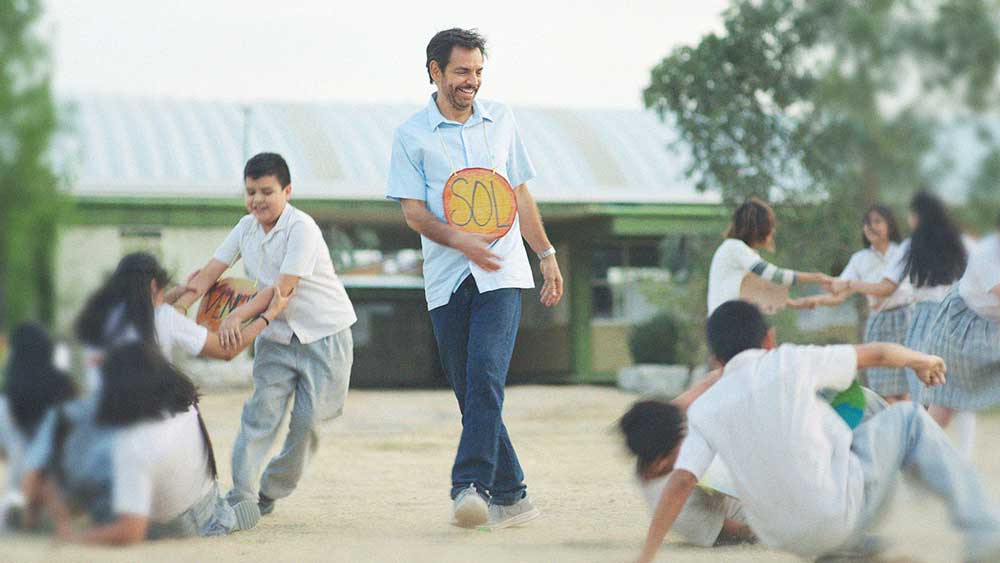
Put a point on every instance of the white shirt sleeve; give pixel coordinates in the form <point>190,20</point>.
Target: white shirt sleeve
<point>695,455</point>
<point>851,270</point>
<point>184,332</point>
<point>302,251</point>
<point>132,477</point>
<point>827,367</point>
<point>229,250</point>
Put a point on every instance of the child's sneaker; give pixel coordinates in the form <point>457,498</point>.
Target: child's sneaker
<point>265,503</point>
<point>469,509</point>
<point>521,512</point>
<point>247,514</point>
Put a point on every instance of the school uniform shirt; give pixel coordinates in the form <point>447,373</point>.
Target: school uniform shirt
<point>867,265</point>
<point>160,468</point>
<point>732,261</point>
<point>894,272</point>
<point>981,276</point>
<point>800,485</point>
<point>173,331</point>
<point>426,150</point>
<point>295,246</point>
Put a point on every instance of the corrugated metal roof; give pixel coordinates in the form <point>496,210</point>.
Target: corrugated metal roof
<point>134,147</point>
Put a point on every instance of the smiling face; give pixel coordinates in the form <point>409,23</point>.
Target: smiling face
<point>265,199</point>
<point>460,80</point>
<point>876,229</point>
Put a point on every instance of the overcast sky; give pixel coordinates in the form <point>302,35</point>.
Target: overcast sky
<point>544,53</point>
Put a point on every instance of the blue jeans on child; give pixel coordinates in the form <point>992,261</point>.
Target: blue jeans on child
<point>904,437</point>
<point>475,335</point>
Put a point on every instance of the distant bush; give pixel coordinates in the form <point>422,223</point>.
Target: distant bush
<point>663,339</point>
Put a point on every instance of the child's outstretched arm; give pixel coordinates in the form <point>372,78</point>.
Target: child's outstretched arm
<point>684,400</point>
<point>200,283</point>
<point>929,369</point>
<point>680,483</point>
<point>230,333</point>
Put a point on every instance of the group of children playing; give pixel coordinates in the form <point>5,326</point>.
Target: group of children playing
<point>756,452</point>
<point>132,452</point>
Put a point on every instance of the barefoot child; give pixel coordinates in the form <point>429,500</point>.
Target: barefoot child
<point>809,484</point>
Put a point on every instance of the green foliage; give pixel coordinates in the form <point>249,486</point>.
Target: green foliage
<point>660,340</point>
<point>32,204</point>
<point>826,106</point>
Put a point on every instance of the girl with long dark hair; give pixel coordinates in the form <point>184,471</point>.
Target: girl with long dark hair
<point>888,317</point>
<point>163,465</point>
<point>132,306</point>
<point>32,384</point>
<point>930,261</point>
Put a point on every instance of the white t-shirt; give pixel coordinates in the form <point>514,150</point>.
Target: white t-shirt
<point>730,264</point>
<point>295,246</point>
<point>867,265</point>
<point>173,330</point>
<point>894,272</point>
<point>981,276</point>
<point>160,468</point>
<point>801,487</point>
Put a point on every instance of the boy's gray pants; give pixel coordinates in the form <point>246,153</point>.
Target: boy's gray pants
<point>317,376</point>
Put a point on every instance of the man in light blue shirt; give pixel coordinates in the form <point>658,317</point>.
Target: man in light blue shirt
<point>472,282</point>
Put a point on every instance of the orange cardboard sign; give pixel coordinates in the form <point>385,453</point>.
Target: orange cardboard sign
<point>478,200</point>
<point>226,295</point>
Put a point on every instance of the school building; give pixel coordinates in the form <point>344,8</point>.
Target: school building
<point>164,175</point>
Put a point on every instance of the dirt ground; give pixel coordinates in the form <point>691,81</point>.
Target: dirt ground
<point>377,491</point>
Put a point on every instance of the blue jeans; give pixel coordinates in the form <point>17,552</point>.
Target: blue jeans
<point>475,335</point>
<point>904,437</point>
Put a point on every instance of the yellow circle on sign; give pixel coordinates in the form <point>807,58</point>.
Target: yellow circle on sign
<point>478,200</point>
<point>220,300</point>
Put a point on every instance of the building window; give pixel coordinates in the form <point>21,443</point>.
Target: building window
<point>621,271</point>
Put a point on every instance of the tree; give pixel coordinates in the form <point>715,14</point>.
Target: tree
<point>30,202</point>
<point>836,102</point>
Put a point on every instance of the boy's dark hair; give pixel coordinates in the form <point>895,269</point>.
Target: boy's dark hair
<point>139,384</point>
<point>124,302</point>
<point>268,164</point>
<point>652,429</point>
<point>733,327</point>
<point>890,221</point>
<point>937,254</point>
<point>440,46</point>
<point>32,383</point>
<point>752,222</point>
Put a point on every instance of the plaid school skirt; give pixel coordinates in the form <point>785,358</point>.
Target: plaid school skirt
<point>970,346</point>
<point>887,326</point>
<point>921,323</point>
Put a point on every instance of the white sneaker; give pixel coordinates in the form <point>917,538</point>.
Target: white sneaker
<point>469,509</point>
<point>521,512</point>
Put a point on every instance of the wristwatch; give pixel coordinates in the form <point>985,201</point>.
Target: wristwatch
<point>546,253</point>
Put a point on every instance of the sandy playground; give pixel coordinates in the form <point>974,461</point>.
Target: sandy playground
<point>377,491</point>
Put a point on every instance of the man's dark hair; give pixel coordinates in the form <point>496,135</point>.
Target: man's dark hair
<point>439,49</point>
<point>652,429</point>
<point>733,327</point>
<point>268,164</point>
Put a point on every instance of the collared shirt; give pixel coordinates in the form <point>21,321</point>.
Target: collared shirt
<point>295,246</point>
<point>801,486</point>
<point>419,168</point>
<point>867,265</point>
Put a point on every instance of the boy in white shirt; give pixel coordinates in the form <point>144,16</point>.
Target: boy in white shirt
<point>807,483</point>
<point>305,353</point>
